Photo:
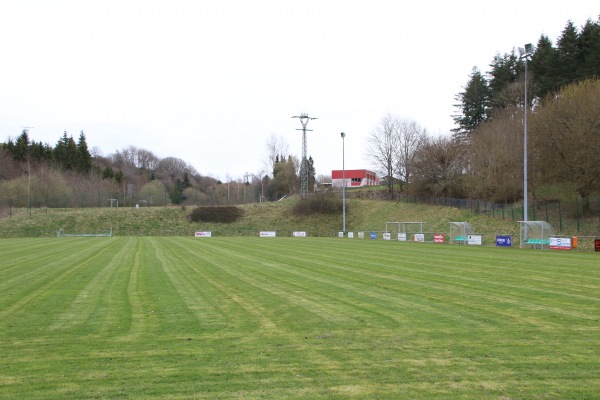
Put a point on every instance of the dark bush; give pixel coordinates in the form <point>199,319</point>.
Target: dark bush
<point>222,214</point>
<point>319,204</point>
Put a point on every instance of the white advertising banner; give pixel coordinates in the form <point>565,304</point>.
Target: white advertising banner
<point>203,234</point>
<point>299,234</point>
<point>268,234</point>
<point>402,237</point>
<point>474,239</point>
<point>557,243</point>
<point>419,237</point>
<point>350,235</point>
<point>387,236</point>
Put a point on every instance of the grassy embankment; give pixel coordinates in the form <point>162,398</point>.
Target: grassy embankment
<point>368,215</point>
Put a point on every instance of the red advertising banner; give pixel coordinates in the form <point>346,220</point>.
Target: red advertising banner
<point>438,238</point>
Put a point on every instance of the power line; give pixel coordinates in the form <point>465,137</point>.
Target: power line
<point>304,118</point>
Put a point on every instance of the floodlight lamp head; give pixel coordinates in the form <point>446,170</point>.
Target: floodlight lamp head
<point>528,49</point>
<point>343,135</point>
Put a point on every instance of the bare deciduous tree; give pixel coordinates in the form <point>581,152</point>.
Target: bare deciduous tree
<point>439,166</point>
<point>382,149</point>
<point>495,165</point>
<point>392,146</point>
<point>566,130</point>
<point>410,137</point>
<point>277,146</point>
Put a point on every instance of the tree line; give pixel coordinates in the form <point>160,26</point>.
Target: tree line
<point>483,156</point>
<point>33,173</point>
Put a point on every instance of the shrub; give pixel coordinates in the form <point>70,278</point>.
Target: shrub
<point>222,214</point>
<point>319,204</point>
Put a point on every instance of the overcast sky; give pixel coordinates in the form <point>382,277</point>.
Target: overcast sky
<point>209,81</point>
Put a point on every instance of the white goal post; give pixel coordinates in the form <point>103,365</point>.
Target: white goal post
<point>113,203</point>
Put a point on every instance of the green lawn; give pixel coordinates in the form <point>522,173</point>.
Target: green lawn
<point>249,318</point>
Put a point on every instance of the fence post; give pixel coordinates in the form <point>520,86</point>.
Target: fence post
<point>559,217</point>
<point>577,212</point>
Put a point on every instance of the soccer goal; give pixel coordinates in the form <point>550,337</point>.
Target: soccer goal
<point>112,203</point>
<point>102,233</point>
<point>404,230</point>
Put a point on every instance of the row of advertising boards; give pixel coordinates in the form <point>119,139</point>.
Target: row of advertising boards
<point>555,243</point>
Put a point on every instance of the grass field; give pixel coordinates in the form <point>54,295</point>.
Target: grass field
<point>249,318</point>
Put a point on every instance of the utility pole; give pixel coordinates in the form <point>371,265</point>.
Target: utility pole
<point>304,118</point>
<point>26,130</point>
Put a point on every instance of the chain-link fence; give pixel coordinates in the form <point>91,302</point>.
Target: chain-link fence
<point>574,216</point>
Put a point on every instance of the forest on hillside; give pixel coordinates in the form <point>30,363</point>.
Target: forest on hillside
<point>482,158</point>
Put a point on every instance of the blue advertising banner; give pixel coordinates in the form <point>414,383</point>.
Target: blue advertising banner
<point>373,235</point>
<point>503,240</point>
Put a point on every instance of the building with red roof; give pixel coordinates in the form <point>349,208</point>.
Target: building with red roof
<point>354,178</point>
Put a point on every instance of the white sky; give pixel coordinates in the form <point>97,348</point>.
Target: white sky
<point>209,81</point>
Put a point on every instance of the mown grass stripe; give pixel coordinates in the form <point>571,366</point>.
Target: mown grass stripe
<point>44,285</point>
<point>101,305</point>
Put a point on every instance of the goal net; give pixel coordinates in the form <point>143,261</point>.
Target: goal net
<point>102,233</point>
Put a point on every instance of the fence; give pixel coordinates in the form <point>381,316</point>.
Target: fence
<point>573,217</point>
<point>71,200</point>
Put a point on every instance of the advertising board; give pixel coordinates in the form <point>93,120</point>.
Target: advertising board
<point>560,243</point>
<point>438,238</point>
<point>474,239</point>
<point>203,234</point>
<point>503,240</point>
<point>268,234</point>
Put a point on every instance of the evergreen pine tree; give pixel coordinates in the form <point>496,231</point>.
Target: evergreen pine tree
<point>311,174</point>
<point>22,147</point>
<point>474,104</point>
<point>544,67</point>
<point>186,181</point>
<point>505,70</point>
<point>588,56</point>
<point>567,52</point>
<point>84,158</point>
<point>60,150</point>
<point>70,154</point>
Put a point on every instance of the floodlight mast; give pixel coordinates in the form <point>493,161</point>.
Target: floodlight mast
<point>304,118</point>
<point>525,53</point>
